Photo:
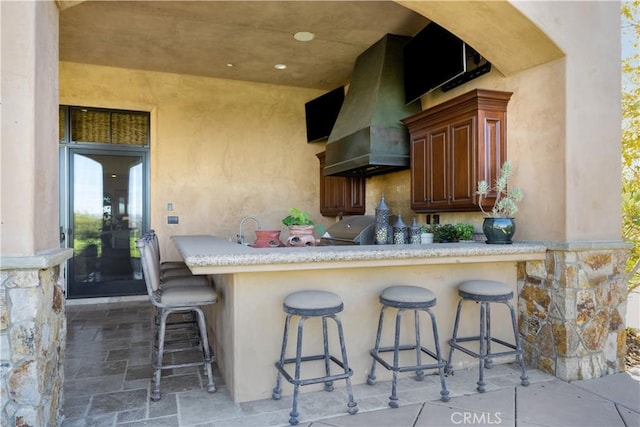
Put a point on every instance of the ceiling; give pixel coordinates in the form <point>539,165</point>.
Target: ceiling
<point>203,37</point>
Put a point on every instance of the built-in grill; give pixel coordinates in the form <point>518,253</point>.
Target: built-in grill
<point>354,230</point>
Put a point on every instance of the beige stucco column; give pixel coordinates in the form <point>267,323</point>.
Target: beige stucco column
<point>32,327</point>
<point>589,35</point>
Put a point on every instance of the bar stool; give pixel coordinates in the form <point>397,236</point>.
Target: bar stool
<point>175,274</point>
<point>187,298</point>
<point>486,292</point>
<point>305,305</point>
<point>168,269</point>
<point>403,298</point>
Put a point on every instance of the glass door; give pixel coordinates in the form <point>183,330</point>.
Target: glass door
<point>106,216</point>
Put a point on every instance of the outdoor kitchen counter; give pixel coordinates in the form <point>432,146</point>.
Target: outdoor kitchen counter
<point>213,255</point>
<point>246,323</point>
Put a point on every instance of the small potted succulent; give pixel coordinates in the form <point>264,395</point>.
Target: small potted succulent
<point>499,225</point>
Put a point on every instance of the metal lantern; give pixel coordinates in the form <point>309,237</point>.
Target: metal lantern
<point>382,222</point>
<point>414,233</point>
<point>400,232</point>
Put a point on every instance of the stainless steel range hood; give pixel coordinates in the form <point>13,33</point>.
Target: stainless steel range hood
<point>368,137</point>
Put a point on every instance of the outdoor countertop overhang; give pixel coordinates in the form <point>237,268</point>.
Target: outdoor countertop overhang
<point>206,254</point>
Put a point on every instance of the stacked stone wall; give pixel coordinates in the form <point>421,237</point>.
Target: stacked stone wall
<point>572,308</point>
<point>32,343</point>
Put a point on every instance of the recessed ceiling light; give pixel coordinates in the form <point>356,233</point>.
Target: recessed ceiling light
<point>280,66</point>
<point>304,36</point>
<point>230,65</point>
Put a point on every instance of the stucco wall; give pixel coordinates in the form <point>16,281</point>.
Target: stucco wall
<point>29,177</point>
<point>563,119</point>
<point>250,311</point>
<point>220,149</point>
<point>589,33</point>
<point>535,132</point>
<point>239,148</point>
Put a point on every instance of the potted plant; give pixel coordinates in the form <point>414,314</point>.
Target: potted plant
<point>301,228</point>
<point>499,225</point>
<point>297,217</point>
<point>426,234</point>
<point>465,230</point>
<point>445,233</point>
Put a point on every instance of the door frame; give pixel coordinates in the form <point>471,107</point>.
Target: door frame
<point>66,152</point>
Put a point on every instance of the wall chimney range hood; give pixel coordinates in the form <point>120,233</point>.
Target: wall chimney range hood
<point>368,137</point>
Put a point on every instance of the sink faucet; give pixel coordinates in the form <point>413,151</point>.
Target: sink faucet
<point>240,237</point>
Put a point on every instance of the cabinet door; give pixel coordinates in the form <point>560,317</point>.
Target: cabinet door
<point>419,163</point>
<point>492,147</point>
<point>340,195</point>
<point>462,152</point>
<point>355,191</point>
<point>429,169</point>
<point>453,146</point>
<point>438,168</point>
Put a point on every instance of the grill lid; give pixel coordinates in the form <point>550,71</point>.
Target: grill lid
<point>355,230</point>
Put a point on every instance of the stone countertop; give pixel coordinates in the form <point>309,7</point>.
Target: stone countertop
<point>206,254</point>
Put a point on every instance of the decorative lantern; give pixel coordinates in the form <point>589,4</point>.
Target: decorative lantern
<point>389,234</point>
<point>400,232</point>
<point>414,233</point>
<point>382,222</point>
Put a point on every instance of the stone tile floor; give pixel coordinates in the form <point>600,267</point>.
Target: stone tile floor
<point>108,376</point>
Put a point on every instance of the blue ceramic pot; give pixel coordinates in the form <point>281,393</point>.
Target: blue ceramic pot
<point>499,231</point>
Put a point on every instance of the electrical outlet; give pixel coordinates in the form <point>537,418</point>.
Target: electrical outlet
<point>169,206</point>
<point>172,219</point>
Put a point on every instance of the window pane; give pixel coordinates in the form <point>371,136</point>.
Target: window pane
<point>90,126</point>
<point>129,128</point>
<point>62,118</point>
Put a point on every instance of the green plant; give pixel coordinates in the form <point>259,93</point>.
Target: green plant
<point>445,233</point>
<point>506,198</point>
<point>465,230</point>
<point>297,217</point>
<point>427,228</point>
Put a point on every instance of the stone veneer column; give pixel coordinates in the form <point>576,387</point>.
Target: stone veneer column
<point>572,308</point>
<point>32,339</point>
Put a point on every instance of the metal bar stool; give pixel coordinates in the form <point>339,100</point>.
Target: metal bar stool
<point>172,274</point>
<point>168,269</point>
<point>407,298</point>
<point>185,298</point>
<point>486,292</point>
<point>305,305</point>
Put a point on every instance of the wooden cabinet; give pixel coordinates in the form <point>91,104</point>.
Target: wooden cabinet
<point>340,195</point>
<point>453,146</point>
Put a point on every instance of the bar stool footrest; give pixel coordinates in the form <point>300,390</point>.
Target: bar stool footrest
<point>411,368</point>
<point>472,353</point>
<point>196,346</point>
<point>317,380</point>
<point>183,365</point>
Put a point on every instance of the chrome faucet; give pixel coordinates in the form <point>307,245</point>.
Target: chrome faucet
<point>240,237</point>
